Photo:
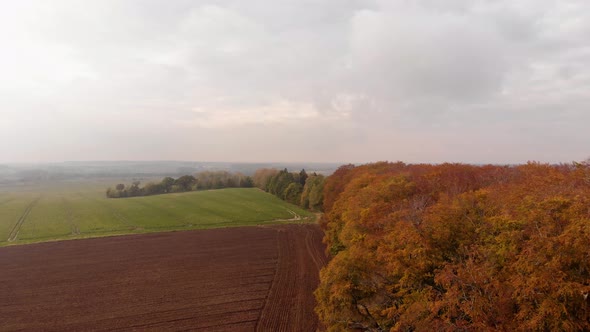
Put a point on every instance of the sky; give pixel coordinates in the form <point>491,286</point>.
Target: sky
<point>504,81</point>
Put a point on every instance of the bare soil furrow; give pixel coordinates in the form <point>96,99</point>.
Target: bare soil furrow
<point>297,276</point>
<point>235,279</point>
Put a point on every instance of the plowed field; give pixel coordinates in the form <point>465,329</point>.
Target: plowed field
<point>234,279</point>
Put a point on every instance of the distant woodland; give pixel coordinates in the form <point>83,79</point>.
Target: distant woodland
<point>200,181</point>
<point>457,247</point>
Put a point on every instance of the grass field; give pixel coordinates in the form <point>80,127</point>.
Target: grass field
<point>79,212</point>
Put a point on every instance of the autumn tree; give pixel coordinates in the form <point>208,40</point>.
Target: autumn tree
<point>457,247</point>
<point>292,193</point>
<point>312,196</point>
<point>262,177</point>
<point>280,182</point>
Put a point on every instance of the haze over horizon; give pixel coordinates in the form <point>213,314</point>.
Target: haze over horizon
<point>295,81</point>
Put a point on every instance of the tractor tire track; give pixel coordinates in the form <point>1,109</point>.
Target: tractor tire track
<point>316,253</point>
<point>114,212</point>
<point>19,223</point>
<point>70,217</point>
<point>289,304</point>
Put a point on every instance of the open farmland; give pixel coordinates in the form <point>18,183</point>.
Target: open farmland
<point>233,279</point>
<point>78,212</point>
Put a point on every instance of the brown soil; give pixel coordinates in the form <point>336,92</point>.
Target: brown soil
<point>235,279</point>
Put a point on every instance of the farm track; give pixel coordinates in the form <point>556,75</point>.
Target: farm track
<point>21,220</point>
<point>235,279</point>
<point>296,217</point>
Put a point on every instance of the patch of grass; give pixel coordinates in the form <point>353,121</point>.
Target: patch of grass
<point>80,213</point>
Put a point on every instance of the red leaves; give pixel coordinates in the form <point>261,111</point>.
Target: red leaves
<point>456,246</point>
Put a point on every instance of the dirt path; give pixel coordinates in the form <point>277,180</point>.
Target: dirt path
<point>296,217</point>
<point>234,279</point>
<point>21,220</point>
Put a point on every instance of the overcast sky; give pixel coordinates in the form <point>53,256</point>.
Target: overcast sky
<point>301,80</point>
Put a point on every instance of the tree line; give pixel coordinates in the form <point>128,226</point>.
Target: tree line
<point>200,181</point>
<point>457,247</point>
<point>297,188</point>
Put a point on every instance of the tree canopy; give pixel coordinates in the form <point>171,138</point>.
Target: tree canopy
<point>296,188</point>
<point>457,247</point>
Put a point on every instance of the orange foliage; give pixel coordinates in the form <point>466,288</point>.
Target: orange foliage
<point>457,247</point>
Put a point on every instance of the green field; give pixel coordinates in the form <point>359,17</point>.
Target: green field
<point>79,212</point>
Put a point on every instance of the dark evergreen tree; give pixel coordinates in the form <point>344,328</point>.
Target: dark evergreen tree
<point>302,177</point>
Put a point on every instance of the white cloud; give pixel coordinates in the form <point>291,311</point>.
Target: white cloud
<point>391,79</point>
<point>275,113</point>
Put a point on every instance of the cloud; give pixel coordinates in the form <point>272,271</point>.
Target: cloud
<point>275,113</point>
<point>453,57</point>
<point>475,81</point>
